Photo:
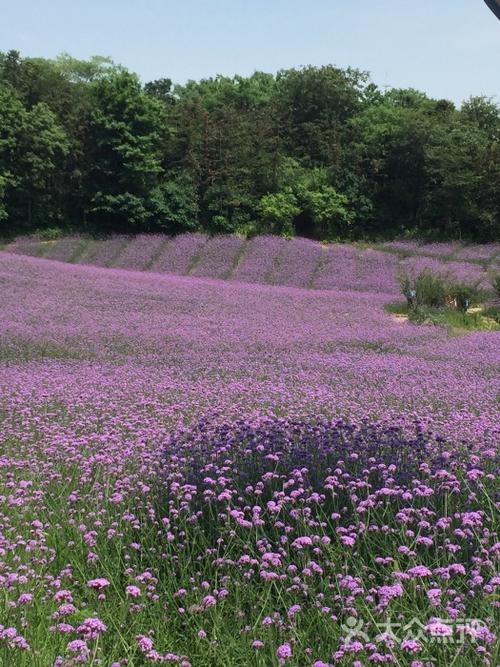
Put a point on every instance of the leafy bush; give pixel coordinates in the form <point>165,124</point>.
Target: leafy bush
<point>431,290</point>
<point>436,299</point>
<point>492,311</point>
<point>427,289</point>
<point>278,210</point>
<point>51,233</point>
<point>465,295</point>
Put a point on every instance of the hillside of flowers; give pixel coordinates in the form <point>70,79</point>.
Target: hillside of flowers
<point>205,463</point>
<point>273,260</point>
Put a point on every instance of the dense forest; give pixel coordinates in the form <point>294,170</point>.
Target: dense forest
<point>321,152</point>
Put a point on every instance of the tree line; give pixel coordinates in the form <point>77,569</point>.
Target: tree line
<point>321,152</point>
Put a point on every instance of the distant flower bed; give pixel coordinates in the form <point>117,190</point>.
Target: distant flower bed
<point>274,260</point>
<point>456,270</point>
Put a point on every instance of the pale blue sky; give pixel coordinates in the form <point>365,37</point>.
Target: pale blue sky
<point>447,48</point>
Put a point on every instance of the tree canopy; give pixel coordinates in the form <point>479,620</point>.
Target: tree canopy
<point>316,151</point>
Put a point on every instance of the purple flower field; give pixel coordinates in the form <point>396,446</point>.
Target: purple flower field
<point>442,250</point>
<point>179,254</point>
<point>340,268</point>
<point>479,252</point>
<point>205,472</point>
<point>139,254</point>
<point>65,248</point>
<point>377,272</point>
<point>271,259</point>
<point>461,271</point>
<point>260,260</point>
<point>299,261</point>
<point>103,252</point>
<point>29,245</point>
<point>219,256</point>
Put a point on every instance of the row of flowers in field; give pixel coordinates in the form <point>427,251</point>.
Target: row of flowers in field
<point>273,260</point>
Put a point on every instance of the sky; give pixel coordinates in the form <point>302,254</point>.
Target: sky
<point>446,48</point>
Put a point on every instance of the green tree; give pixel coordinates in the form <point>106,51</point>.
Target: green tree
<point>482,112</point>
<point>83,143</point>
<point>12,120</point>
<point>175,202</point>
<point>329,213</point>
<point>388,156</point>
<point>33,147</point>
<point>463,172</point>
<point>320,211</point>
<point>40,161</point>
<point>278,211</point>
<point>313,106</point>
<point>122,149</point>
<point>161,89</point>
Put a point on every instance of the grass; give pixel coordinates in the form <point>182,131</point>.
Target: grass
<point>195,259</point>
<point>18,349</point>
<point>493,312</point>
<point>484,319</point>
<point>80,250</point>
<point>318,268</point>
<point>154,257</point>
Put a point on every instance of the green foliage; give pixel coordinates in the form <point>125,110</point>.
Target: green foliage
<point>221,225</point>
<point>50,233</point>
<point>313,207</point>
<point>121,185</point>
<point>84,143</point>
<point>33,148</point>
<point>327,208</point>
<point>161,89</point>
<point>12,119</point>
<point>175,204</point>
<point>431,290</point>
<point>483,113</point>
<point>278,211</point>
<point>436,299</point>
<point>312,105</point>
<point>83,71</point>
<point>427,289</point>
<point>455,321</point>
<point>3,188</point>
<point>492,311</point>
<point>465,295</point>
<point>329,213</point>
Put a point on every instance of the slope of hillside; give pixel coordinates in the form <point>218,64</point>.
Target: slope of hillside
<point>271,260</point>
